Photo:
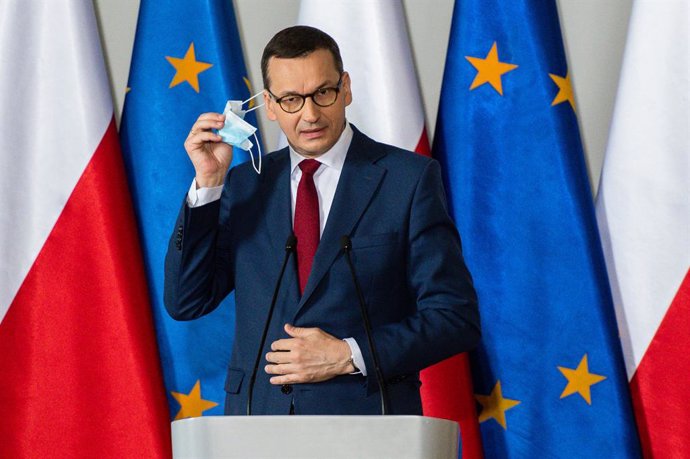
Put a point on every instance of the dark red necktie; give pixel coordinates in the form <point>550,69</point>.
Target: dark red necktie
<point>306,220</point>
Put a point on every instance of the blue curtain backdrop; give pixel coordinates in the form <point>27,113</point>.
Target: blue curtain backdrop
<point>187,60</point>
<point>549,375</point>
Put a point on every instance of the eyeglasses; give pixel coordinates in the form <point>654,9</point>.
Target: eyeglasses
<point>323,97</point>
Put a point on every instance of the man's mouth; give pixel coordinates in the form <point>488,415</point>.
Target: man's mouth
<point>312,133</point>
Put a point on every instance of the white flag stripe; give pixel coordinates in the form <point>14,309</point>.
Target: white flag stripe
<point>374,44</point>
<point>39,89</point>
<point>643,205</point>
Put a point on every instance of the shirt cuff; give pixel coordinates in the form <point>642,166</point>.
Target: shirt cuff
<point>357,357</point>
<point>203,196</point>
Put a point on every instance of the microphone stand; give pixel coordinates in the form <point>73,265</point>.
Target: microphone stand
<point>346,244</point>
<point>289,248</point>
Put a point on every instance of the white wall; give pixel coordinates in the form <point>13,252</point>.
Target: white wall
<point>594,33</point>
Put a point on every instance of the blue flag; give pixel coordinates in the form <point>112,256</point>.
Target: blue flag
<point>187,60</point>
<point>549,374</point>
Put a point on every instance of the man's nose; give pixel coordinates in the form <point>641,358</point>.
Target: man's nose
<point>310,111</point>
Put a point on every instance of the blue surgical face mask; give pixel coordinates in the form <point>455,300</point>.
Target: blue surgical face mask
<point>236,131</point>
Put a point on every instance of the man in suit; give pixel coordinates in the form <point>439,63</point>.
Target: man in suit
<point>332,181</point>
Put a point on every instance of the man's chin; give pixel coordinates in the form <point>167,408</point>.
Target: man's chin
<point>312,148</point>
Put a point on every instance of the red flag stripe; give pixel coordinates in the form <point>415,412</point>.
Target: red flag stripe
<point>447,393</point>
<point>77,342</point>
<point>658,387</point>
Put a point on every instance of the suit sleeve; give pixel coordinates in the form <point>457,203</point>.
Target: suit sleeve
<point>198,273</point>
<point>446,321</point>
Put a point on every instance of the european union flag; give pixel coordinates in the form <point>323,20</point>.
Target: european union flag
<point>187,60</point>
<point>549,374</point>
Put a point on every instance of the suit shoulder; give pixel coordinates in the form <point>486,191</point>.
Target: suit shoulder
<point>391,156</point>
<point>404,162</point>
<point>406,157</point>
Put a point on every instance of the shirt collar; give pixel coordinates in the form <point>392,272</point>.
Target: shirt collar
<point>335,157</point>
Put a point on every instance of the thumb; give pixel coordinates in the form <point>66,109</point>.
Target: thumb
<point>293,331</point>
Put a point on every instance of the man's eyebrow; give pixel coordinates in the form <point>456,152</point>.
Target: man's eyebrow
<point>325,84</point>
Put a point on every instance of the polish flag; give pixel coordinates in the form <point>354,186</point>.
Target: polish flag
<point>79,371</point>
<point>387,106</point>
<point>643,209</point>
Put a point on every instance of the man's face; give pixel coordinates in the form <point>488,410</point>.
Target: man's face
<point>313,130</point>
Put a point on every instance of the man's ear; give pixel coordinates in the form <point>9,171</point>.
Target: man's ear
<point>270,106</point>
<point>347,88</point>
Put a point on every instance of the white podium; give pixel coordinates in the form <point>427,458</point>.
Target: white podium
<point>413,437</point>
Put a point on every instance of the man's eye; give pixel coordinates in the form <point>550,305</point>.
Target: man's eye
<point>289,99</point>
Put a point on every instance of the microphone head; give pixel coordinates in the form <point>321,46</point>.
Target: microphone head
<point>291,242</point>
<point>346,242</point>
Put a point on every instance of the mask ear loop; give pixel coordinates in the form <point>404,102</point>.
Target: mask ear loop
<point>258,146</point>
<point>254,97</point>
<point>253,108</point>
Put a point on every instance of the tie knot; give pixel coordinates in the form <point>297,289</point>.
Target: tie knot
<point>309,166</point>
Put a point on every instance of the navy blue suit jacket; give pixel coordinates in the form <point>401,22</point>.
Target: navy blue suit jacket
<point>407,256</point>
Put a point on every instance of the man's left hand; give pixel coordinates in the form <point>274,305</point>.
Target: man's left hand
<point>310,355</point>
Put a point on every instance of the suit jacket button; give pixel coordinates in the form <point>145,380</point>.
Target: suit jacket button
<point>286,389</point>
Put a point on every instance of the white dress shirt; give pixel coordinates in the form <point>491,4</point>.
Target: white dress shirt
<point>326,181</point>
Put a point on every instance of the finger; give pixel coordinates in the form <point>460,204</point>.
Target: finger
<point>283,344</point>
<point>197,141</point>
<point>205,136</point>
<point>211,116</point>
<point>296,332</point>
<point>278,357</point>
<point>286,379</point>
<point>205,126</point>
<point>282,369</point>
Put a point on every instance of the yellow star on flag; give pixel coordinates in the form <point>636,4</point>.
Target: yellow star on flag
<point>580,380</point>
<point>565,90</point>
<point>495,405</point>
<point>489,70</point>
<point>188,69</point>
<point>191,404</point>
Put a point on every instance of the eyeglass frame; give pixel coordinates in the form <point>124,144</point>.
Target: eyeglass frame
<point>304,97</point>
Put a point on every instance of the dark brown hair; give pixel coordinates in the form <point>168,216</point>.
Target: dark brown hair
<point>298,41</point>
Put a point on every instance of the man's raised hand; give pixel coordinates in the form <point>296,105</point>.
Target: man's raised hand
<point>210,156</point>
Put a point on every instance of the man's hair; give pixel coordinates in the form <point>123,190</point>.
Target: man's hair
<point>298,41</point>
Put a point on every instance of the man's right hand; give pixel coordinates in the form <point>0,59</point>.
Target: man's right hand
<point>210,156</point>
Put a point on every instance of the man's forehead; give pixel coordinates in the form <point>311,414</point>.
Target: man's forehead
<point>320,71</point>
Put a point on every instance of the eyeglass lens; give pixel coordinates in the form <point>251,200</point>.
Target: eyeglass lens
<point>324,97</point>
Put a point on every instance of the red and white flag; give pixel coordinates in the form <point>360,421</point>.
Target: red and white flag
<point>79,369</point>
<point>643,209</point>
<point>387,105</point>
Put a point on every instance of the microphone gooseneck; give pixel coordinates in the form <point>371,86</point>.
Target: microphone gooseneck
<point>289,249</point>
<point>346,244</point>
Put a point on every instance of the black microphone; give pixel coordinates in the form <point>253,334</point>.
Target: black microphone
<point>346,244</point>
<point>289,248</point>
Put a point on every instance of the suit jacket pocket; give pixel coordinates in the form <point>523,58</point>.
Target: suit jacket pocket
<point>233,381</point>
<point>373,240</point>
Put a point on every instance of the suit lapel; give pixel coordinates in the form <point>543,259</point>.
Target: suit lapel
<point>358,182</point>
<point>275,190</point>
